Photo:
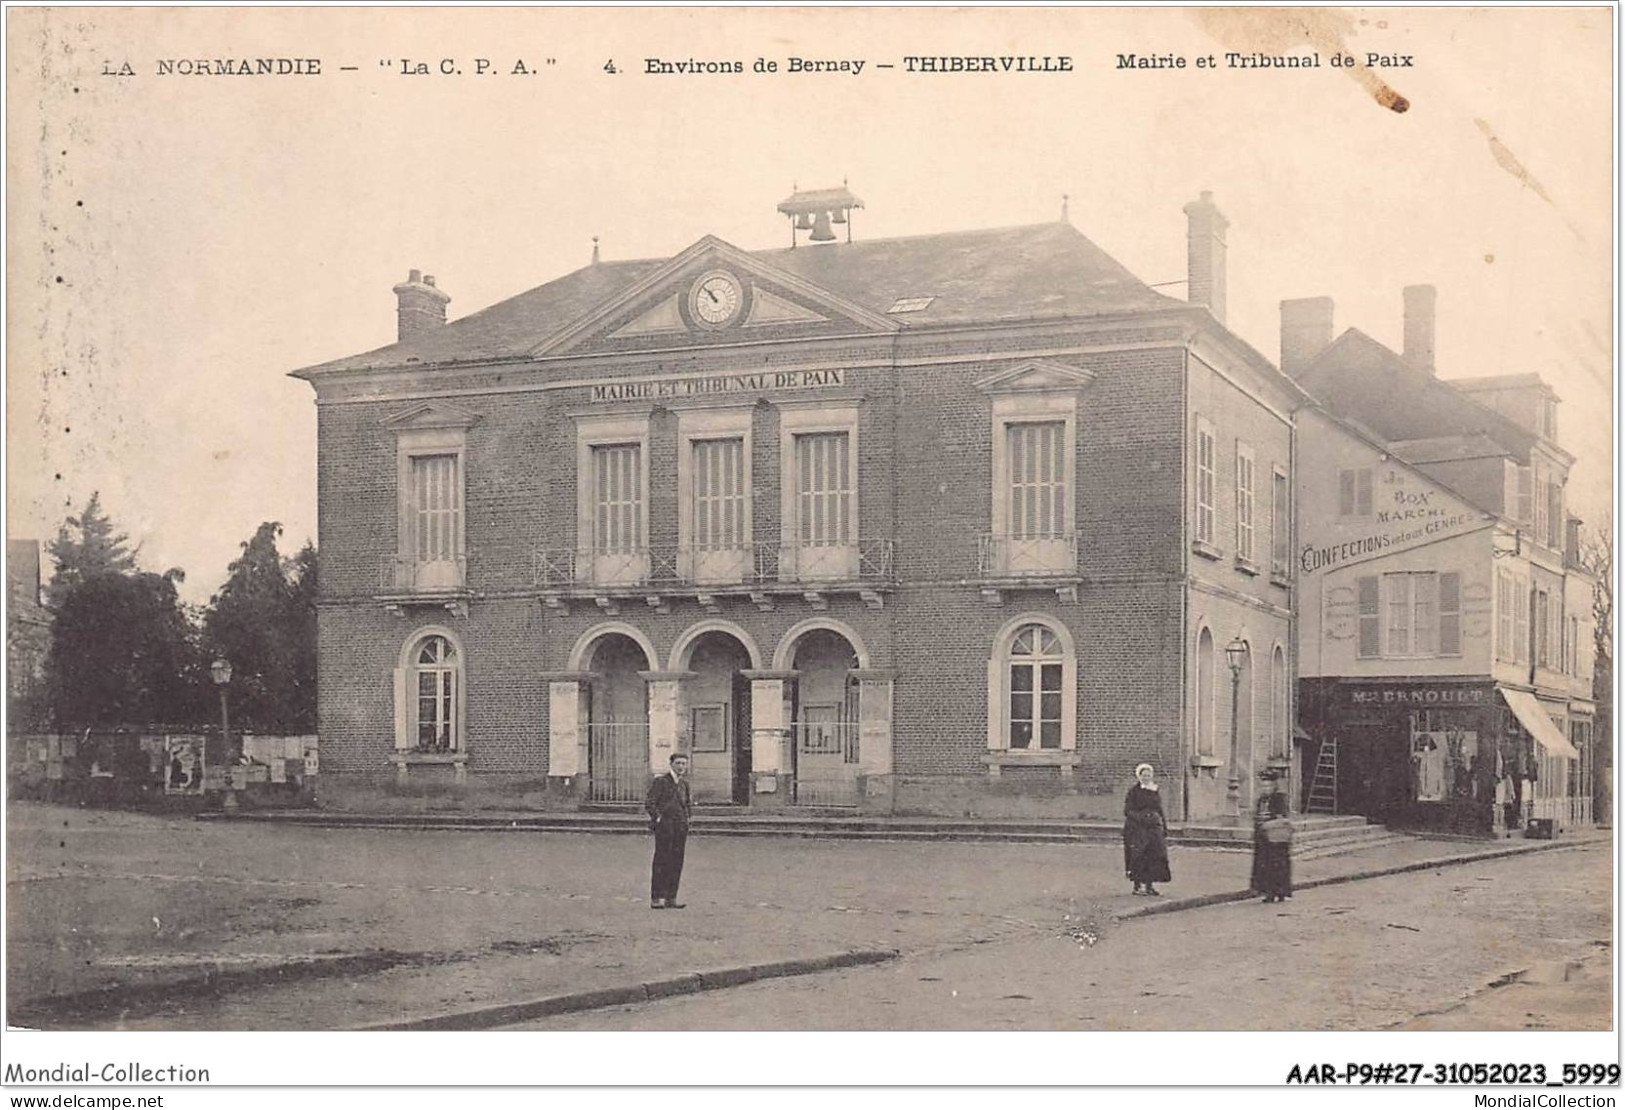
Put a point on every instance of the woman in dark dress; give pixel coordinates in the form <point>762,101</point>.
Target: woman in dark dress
<point>1145,834</point>
<point>1272,850</point>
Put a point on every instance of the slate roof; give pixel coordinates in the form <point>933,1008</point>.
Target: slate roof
<point>1046,270</point>
<point>1448,449</point>
<point>1357,377</point>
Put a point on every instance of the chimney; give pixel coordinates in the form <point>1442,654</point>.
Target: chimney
<point>1419,326</point>
<point>420,307</point>
<point>1205,243</point>
<point>1306,330</point>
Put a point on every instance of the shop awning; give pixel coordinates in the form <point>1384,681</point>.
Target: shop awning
<point>1534,720</point>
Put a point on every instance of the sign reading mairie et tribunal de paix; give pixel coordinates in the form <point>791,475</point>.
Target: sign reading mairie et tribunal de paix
<point>718,383</point>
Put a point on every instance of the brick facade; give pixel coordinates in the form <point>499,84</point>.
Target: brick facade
<point>926,625</point>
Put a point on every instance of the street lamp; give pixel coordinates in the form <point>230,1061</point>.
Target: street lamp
<point>220,671</point>
<point>1234,653</point>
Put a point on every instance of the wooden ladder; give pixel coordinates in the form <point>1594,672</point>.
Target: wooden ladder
<point>1323,787</point>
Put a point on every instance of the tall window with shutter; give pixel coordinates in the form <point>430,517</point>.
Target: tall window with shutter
<point>1543,628</point>
<point>1038,485</point>
<point>1542,504</point>
<point>1245,500</point>
<point>617,498</point>
<point>1554,515</point>
<point>428,693</point>
<point>1354,492</point>
<point>1370,617</point>
<point>719,494</point>
<point>436,509</point>
<point>1422,615</point>
<point>1280,526</point>
<point>824,490</point>
<point>1035,689</point>
<point>1205,482</point>
<point>1450,613</point>
<point>1206,705</point>
<point>1401,623</point>
<point>1504,646</point>
<point>1520,619</point>
<point>1526,495</point>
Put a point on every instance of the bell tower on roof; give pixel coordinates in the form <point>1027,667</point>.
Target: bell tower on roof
<point>816,209</point>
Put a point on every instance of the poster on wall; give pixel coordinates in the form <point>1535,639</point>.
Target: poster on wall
<point>183,764</point>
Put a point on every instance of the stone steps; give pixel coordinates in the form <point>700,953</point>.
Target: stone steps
<point>725,821</point>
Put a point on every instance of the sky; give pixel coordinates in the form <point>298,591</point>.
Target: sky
<point>178,244</point>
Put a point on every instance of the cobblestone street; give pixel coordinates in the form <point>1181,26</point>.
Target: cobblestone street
<point>115,918</point>
<point>1416,951</point>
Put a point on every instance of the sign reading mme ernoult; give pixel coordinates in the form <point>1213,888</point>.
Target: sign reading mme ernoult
<point>718,383</point>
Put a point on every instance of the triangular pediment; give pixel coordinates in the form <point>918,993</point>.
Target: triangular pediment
<point>430,414</point>
<point>675,302</point>
<point>1036,375</point>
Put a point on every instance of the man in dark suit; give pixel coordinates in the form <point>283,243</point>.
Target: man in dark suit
<point>668,807</point>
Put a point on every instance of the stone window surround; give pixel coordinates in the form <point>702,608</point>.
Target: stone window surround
<point>709,424</point>
<point>1032,408</point>
<point>797,418</point>
<point>411,444</point>
<point>999,752</point>
<point>405,755</point>
<point>604,431</point>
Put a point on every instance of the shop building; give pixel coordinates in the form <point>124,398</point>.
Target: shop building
<point>1445,625</point>
<point>947,524</point>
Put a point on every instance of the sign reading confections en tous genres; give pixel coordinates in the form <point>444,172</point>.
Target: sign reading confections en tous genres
<point>718,383</point>
<point>1405,515</point>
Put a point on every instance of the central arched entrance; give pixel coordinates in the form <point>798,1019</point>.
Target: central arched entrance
<point>824,720</point>
<point>717,696</point>
<point>618,719</point>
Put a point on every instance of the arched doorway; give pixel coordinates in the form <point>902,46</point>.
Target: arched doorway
<point>718,717</point>
<point>824,720</point>
<point>618,719</point>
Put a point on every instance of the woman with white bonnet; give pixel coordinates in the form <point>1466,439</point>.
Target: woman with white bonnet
<point>1145,833</point>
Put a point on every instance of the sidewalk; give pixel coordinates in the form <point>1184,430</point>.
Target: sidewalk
<point>220,925</point>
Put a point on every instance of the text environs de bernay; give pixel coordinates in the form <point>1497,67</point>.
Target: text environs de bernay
<point>854,67</point>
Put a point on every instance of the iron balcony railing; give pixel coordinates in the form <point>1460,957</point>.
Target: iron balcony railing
<point>660,568</point>
<point>1016,555</point>
<point>406,574</point>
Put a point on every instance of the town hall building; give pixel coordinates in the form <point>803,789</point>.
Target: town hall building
<point>971,522</point>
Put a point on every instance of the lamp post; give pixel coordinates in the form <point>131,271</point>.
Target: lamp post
<point>220,671</point>
<point>1234,652</point>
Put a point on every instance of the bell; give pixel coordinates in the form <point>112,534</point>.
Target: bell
<point>839,217</point>
<point>803,221</point>
<point>821,232</point>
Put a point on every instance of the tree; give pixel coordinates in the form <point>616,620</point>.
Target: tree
<point>263,622</point>
<point>86,545</point>
<point>1597,556</point>
<point>302,620</point>
<point>123,653</point>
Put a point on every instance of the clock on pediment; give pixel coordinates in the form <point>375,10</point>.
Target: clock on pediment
<point>717,299</point>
